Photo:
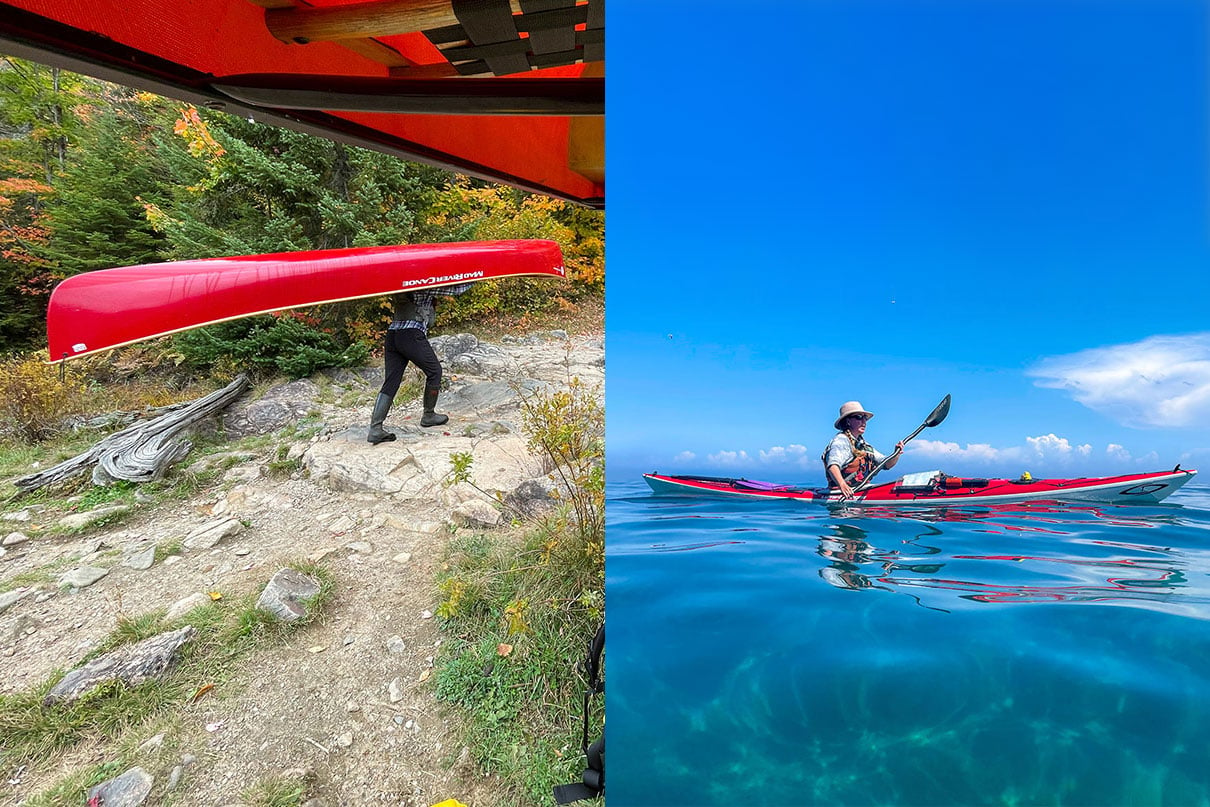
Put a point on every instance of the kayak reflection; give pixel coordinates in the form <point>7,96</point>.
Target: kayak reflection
<point>1034,569</point>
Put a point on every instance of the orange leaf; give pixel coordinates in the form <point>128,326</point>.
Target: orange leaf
<point>503,649</point>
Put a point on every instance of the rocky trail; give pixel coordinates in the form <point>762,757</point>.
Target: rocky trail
<point>347,700</point>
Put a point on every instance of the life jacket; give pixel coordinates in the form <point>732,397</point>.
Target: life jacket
<point>857,469</point>
<point>408,310</point>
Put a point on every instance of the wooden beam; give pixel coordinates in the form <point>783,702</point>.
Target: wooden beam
<point>361,20</point>
<point>367,48</point>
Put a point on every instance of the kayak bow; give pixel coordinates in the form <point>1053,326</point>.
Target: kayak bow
<point>937,488</point>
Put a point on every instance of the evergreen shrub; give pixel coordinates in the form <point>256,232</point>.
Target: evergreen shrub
<point>266,345</point>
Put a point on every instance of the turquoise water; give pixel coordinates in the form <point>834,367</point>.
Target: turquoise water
<point>764,653</point>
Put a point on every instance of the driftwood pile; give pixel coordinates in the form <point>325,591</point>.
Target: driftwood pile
<point>141,452</point>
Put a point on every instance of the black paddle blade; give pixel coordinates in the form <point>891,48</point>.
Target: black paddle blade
<point>939,413</point>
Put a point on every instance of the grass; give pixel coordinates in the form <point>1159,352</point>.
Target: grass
<point>517,621</point>
<point>520,611</point>
<point>279,791</point>
<point>226,631</point>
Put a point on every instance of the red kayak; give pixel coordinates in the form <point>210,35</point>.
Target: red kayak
<point>933,487</point>
<point>97,311</point>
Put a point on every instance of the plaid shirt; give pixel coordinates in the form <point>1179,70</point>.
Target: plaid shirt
<point>426,300</point>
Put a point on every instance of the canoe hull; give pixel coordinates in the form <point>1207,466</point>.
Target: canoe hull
<point>97,311</point>
<point>1147,488</point>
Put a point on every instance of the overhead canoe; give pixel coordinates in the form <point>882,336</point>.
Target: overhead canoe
<point>97,311</point>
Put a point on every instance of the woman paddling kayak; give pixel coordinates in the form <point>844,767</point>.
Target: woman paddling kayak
<point>849,459</point>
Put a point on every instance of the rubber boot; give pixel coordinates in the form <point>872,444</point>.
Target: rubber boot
<point>431,418</point>
<point>381,407</point>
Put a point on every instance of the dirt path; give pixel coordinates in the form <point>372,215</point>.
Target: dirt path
<point>347,700</point>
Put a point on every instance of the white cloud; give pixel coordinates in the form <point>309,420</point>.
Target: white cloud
<point>1117,452</point>
<point>974,452</point>
<point>728,458</point>
<point>791,454</point>
<point>1160,381</point>
<point>1060,448</point>
<point>685,456</point>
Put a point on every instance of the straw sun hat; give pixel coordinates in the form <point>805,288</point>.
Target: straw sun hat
<point>851,408</point>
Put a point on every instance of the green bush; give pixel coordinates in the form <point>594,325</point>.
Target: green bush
<point>273,344</point>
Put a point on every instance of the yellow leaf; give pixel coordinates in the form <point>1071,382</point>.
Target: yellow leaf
<point>424,676</point>
<point>214,595</point>
<point>449,803</point>
<point>202,690</point>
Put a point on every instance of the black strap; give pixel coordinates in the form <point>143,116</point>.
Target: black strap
<point>593,779</point>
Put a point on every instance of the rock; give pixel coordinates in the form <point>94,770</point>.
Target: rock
<point>152,744</point>
<point>395,690</point>
<point>243,474</point>
<point>140,558</point>
<point>396,644</point>
<point>78,521</point>
<point>402,557</point>
<point>174,778</point>
<point>14,539</point>
<point>488,396</point>
<point>286,594</point>
<point>342,525</point>
<point>19,516</point>
<point>183,606</point>
<point>128,790</point>
<point>476,513</point>
<point>82,577</point>
<point>208,536</point>
<point>345,740</point>
<point>9,598</point>
<point>485,360</point>
<point>279,407</point>
<point>223,459</point>
<point>131,664</point>
<point>558,334</point>
<point>532,496</point>
<point>451,346</point>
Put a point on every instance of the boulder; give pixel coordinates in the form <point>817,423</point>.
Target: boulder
<point>208,536</point>
<point>286,594</point>
<point>277,408</point>
<point>128,790</point>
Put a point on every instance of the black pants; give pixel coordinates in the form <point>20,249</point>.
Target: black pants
<point>400,347</point>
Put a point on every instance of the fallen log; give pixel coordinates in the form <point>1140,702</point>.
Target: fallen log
<point>141,452</point>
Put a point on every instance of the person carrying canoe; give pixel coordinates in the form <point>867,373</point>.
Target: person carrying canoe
<point>849,459</point>
<point>407,340</point>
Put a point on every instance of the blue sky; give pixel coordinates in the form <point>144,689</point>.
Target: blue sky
<point>891,201</point>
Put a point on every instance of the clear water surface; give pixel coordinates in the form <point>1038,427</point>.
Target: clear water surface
<point>780,653</point>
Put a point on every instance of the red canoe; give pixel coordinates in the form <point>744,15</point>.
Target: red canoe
<point>937,488</point>
<point>101,310</point>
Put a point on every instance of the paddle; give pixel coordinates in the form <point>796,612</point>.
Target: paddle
<point>935,417</point>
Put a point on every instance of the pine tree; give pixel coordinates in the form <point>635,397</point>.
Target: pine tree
<point>98,217</point>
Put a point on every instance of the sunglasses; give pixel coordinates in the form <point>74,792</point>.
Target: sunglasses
<point>862,418</point>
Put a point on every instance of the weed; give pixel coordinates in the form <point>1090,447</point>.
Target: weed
<point>280,791</point>
<point>165,549</point>
<point>282,465</point>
